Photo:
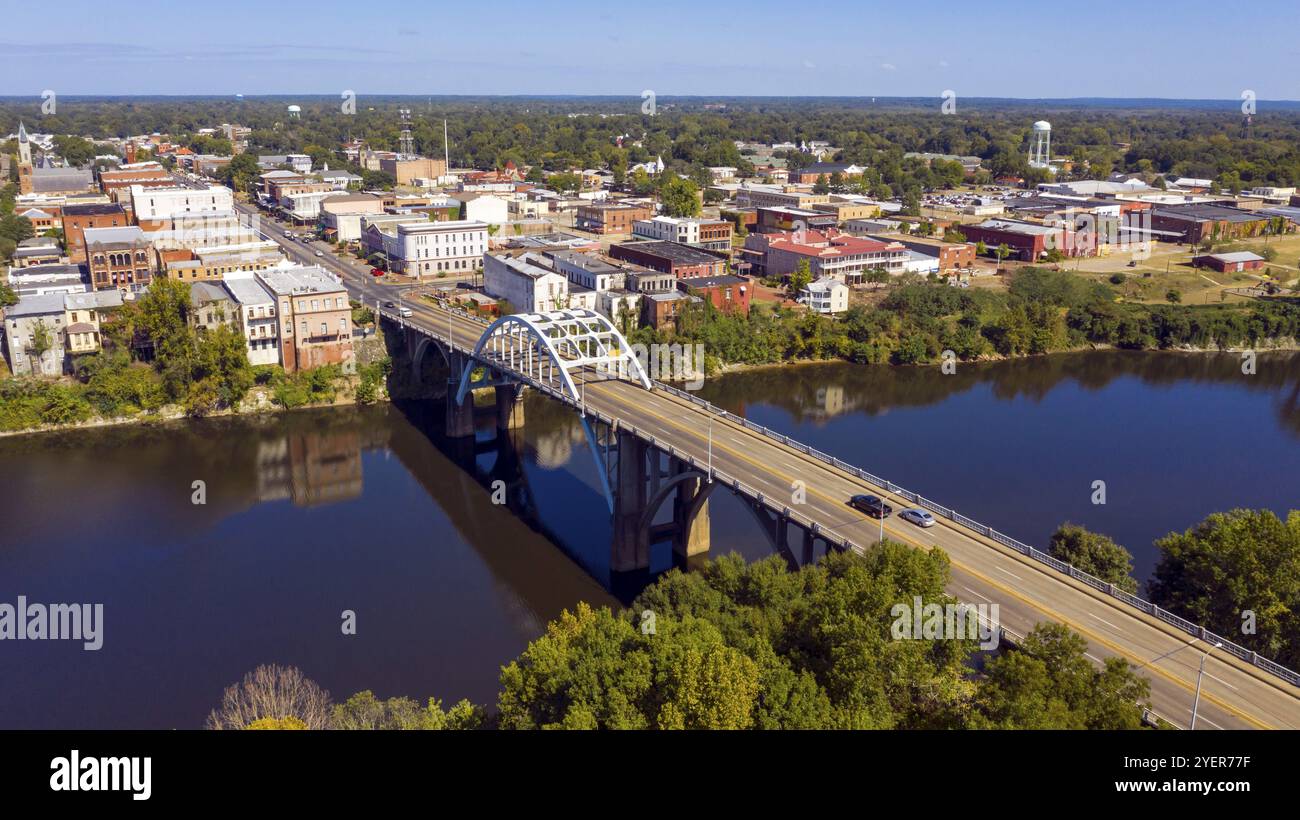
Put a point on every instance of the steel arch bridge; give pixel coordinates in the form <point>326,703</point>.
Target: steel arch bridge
<point>548,348</point>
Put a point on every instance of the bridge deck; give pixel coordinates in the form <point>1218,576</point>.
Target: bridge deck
<point>1234,694</point>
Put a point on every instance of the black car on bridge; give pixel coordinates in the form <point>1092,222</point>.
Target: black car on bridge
<point>872,505</point>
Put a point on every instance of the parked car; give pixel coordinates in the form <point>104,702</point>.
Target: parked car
<point>917,516</point>
<point>872,505</point>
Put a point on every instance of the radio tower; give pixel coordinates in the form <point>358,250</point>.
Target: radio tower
<point>1247,126</point>
<point>408,143</point>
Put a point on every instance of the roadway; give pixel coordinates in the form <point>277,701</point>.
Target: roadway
<point>1233,694</point>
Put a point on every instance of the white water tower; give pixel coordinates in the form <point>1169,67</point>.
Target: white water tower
<point>295,111</point>
<point>1040,154</point>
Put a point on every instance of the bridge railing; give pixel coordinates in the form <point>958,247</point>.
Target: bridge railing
<point>1077,574</point>
<point>737,486</point>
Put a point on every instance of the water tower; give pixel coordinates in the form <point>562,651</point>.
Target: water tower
<point>1040,154</point>
<point>295,112</point>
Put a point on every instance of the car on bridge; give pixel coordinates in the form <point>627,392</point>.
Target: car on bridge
<point>917,516</point>
<point>376,272</point>
<point>872,505</point>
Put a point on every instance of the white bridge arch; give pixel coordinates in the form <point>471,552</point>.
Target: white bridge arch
<point>547,347</point>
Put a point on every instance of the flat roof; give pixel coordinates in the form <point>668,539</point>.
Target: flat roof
<point>677,253</point>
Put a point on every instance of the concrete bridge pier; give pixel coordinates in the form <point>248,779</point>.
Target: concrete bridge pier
<point>460,417</point>
<point>510,406</point>
<point>630,550</point>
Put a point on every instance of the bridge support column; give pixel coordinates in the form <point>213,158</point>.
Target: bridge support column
<point>629,549</point>
<point>460,417</point>
<point>690,520</point>
<point>510,406</point>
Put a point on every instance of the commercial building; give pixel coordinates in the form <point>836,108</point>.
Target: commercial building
<point>42,331</point>
<point>828,254</point>
<point>681,261</point>
<point>119,258</point>
<point>407,169</point>
<point>299,163</point>
<point>36,280</point>
<point>1028,241</point>
<point>315,318</point>
<point>527,282</point>
<point>950,255</point>
<point>1236,262</point>
<point>823,170</point>
<point>610,217</point>
<point>78,218</point>
<point>710,234</point>
<point>39,250</point>
<point>428,249</point>
<point>1197,222</point>
<point>726,293</point>
<point>340,215</point>
<point>211,306</point>
<point>156,208</point>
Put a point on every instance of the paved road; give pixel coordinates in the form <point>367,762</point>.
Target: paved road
<point>1233,694</point>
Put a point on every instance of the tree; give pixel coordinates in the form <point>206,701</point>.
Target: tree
<point>1049,683</point>
<point>1095,554</point>
<point>1233,563</point>
<point>680,197</point>
<point>1002,252</point>
<point>272,691</point>
<point>800,278</point>
<point>40,343</point>
<point>564,183</point>
<point>1173,296</point>
<point>364,711</point>
<point>241,173</point>
<point>821,186</point>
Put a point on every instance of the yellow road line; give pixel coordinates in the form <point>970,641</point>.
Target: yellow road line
<point>1035,605</point>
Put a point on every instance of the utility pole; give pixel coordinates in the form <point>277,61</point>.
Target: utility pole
<point>1197,701</point>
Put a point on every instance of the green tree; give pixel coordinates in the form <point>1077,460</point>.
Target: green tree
<point>1095,554</point>
<point>364,711</point>
<point>800,278</point>
<point>1232,563</point>
<point>1049,683</point>
<point>680,197</point>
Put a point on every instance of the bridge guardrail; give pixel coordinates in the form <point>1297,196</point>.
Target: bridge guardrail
<point>1184,625</point>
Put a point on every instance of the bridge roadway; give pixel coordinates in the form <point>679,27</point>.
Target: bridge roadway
<point>1234,695</point>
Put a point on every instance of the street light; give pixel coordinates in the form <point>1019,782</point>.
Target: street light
<point>710,449</point>
<point>1196,702</point>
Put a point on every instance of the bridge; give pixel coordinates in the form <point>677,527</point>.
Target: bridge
<point>655,446</point>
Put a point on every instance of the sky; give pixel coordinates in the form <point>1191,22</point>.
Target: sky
<point>978,48</point>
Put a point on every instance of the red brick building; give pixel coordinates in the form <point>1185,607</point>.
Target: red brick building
<point>1230,262</point>
<point>610,217</point>
<point>727,293</point>
<point>77,218</point>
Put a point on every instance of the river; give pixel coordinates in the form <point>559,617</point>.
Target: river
<point>310,514</point>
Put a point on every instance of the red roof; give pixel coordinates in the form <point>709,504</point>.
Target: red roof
<point>828,244</point>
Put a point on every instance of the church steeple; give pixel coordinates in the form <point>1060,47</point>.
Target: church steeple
<point>24,145</point>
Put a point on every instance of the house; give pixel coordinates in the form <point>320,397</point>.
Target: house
<point>827,296</point>
<point>682,261</point>
<point>211,306</point>
<point>34,339</point>
<point>1236,262</point>
<point>257,320</point>
<point>315,317</point>
<point>119,258</point>
<point>528,282</point>
<point>428,249</point>
<point>82,315</point>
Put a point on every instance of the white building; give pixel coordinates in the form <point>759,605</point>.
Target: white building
<point>526,283</point>
<point>160,204</point>
<point>488,208</point>
<point>257,319</point>
<point>668,229</point>
<point>300,163</point>
<point>306,205</point>
<point>433,248</point>
<point>826,295</point>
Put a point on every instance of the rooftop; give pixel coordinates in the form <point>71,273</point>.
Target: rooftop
<point>678,254</point>
<point>289,281</point>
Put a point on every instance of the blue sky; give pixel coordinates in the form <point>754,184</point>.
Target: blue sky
<point>1005,48</point>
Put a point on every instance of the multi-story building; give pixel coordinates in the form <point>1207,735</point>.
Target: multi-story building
<point>39,250</point>
<point>34,337</point>
<point>300,163</point>
<point>341,215</point>
<point>36,280</point>
<point>528,283</point>
<point>156,209</point>
<point>255,308</point>
<point>315,317</point>
<point>428,249</point>
<point>79,218</point>
<point>841,256</point>
<point>407,169</point>
<point>711,234</point>
<point>82,313</point>
<point>1197,222</point>
<point>145,174</point>
<point>1027,241</point>
<point>119,258</point>
<point>727,293</point>
<point>951,255</point>
<point>681,261</point>
<point>827,296</point>
<point>206,264</point>
<point>610,217</point>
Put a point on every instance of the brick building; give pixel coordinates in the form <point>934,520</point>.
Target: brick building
<point>610,217</point>
<point>670,257</point>
<point>78,218</point>
<point>727,293</point>
<point>315,318</point>
<point>119,258</point>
